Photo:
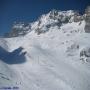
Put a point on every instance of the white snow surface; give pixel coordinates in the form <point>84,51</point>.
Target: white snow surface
<point>51,60</point>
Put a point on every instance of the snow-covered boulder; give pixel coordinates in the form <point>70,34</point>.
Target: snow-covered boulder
<point>85,54</point>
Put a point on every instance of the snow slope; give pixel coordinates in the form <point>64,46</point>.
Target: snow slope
<point>49,61</point>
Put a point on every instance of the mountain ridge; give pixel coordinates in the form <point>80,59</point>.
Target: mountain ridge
<point>45,21</point>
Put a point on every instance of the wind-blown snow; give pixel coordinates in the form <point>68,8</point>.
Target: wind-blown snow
<point>51,61</point>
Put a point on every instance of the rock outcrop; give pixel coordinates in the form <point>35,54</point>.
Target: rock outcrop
<point>87,20</point>
<point>53,18</point>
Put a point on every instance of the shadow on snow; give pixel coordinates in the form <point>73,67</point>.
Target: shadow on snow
<point>14,57</point>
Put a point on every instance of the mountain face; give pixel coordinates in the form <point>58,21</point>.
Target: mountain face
<point>52,53</point>
<point>18,29</point>
<point>54,18</point>
<point>45,22</point>
<point>87,19</point>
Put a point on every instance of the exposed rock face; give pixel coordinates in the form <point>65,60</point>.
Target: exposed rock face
<point>56,18</point>
<point>53,18</point>
<point>18,29</point>
<point>85,54</point>
<point>87,19</point>
<point>78,17</point>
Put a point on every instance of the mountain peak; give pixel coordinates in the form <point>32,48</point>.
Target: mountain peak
<point>46,21</point>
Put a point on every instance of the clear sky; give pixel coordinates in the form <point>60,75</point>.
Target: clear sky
<point>30,10</point>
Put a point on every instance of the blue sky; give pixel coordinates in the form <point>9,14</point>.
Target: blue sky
<point>30,10</point>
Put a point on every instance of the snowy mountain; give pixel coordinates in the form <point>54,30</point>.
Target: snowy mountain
<point>45,22</point>
<point>53,54</point>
